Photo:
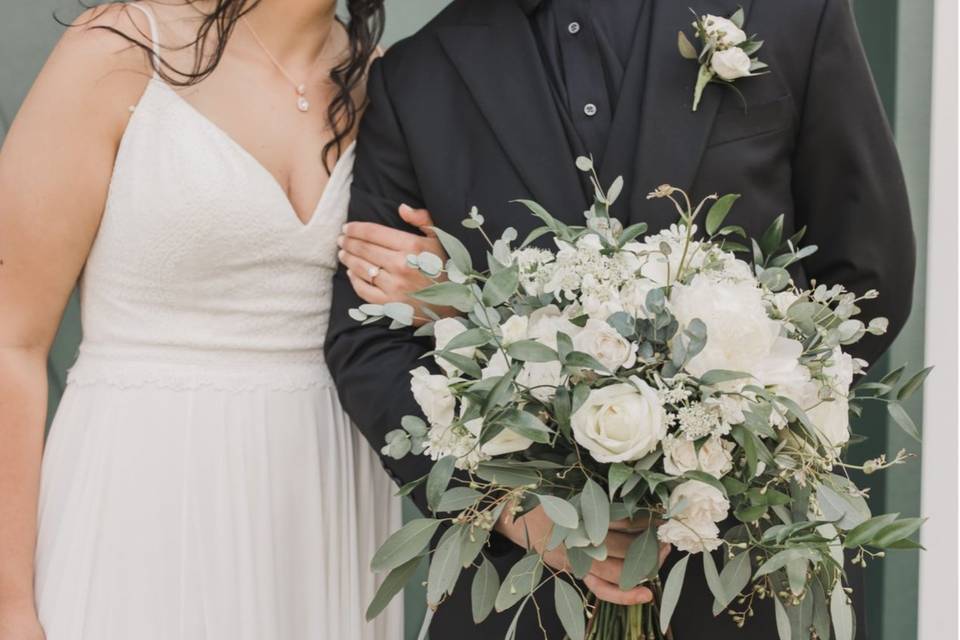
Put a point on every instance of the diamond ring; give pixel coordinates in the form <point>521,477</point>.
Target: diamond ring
<point>373,272</point>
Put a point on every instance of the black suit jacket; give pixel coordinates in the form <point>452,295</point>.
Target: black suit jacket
<point>461,114</point>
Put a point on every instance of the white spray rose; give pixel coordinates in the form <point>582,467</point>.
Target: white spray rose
<point>715,457</point>
<point>697,508</point>
<point>604,343</point>
<point>434,397</point>
<point>505,442</point>
<point>724,31</point>
<point>444,331</point>
<point>740,334</point>
<point>731,63</point>
<point>620,423</point>
<point>679,456</point>
<point>514,329</point>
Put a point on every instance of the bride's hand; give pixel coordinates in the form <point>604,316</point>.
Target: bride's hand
<point>376,259</point>
<point>20,623</point>
<point>534,528</point>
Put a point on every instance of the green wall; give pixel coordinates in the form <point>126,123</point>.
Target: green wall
<point>896,34</point>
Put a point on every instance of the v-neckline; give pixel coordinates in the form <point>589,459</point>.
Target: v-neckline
<point>244,152</point>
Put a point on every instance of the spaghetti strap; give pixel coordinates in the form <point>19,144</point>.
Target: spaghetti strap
<point>154,35</point>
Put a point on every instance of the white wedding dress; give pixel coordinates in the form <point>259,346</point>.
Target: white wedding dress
<point>201,481</point>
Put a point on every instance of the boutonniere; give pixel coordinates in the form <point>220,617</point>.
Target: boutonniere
<point>727,54</point>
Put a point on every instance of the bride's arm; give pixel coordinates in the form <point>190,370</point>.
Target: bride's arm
<point>55,168</point>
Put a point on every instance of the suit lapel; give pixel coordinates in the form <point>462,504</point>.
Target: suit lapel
<point>673,138</point>
<point>500,63</point>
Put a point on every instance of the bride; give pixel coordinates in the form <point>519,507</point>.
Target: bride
<point>189,161</point>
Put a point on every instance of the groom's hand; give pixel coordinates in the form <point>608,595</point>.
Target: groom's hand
<point>376,259</point>
<point>533,531</point>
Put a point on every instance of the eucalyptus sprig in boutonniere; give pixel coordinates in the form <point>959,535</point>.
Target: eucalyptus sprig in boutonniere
<point>728,54</point>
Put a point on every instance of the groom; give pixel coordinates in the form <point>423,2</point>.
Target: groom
<point>494,99</point>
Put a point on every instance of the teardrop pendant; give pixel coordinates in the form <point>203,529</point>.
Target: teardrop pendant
<point>303,104</point>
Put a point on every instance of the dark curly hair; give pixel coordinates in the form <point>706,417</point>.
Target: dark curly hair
<point>364,27</point>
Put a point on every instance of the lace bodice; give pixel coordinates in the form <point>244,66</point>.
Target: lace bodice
<point>201,261</point>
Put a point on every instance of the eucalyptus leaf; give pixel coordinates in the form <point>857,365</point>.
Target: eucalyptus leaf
<point>896,531</point>
<point>783,621</point>
<point>457,499</point>
<point>531,351</point>
<point>444,567</point>
<point>580,562</point>
<point>570,609</point>
<point>438,479</point>
<point>500,287</point>
<point>841,612</point>
<point>687,50</point>
<point>863,533</point>
<point>718,212</point>
<point>903,420</point>
<point>671,592</point>
<point>560,511</point>
<point>596,511</point>
<point>483,591</point>
<point>455,250</point>
<point>405,544</point>
<point>526,424</point>
<point>447,294</point>
<point>521,580</point>
<point>391,586</point>
<point>641,560</point>
<point>734,577</point>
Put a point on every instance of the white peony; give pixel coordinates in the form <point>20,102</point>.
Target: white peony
<point>605,343</point>
<point>723,30</point>
<point>445,330</point>
<point>505,442</point>
<point>621,422</point>
<point>514,329</point>
<point>696,508</point>
<point>740,334</point>
<point>731,63</point>
<point>433,395</point>
<point>715,457</point>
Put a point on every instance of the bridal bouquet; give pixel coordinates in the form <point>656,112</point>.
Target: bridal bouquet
<point>629,376</point>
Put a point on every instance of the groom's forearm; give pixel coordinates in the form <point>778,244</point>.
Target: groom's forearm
<point>371,367</point>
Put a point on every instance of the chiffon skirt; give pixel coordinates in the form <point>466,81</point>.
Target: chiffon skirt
<point>210,514</point>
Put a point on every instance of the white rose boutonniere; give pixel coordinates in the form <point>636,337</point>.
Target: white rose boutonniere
<point>727,53</point>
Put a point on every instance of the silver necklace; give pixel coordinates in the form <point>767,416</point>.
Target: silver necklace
<point>302,103</point>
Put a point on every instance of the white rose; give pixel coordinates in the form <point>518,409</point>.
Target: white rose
<point>444,331</point>
<point>697,507</point>
<point>514,329</point>
<point>715,457</point>
<point>679,456</point>
<point>620,423</point>
<point>433,395</point>
<point>546,322</point>
<point>832,419</point>
<point>740,334</point>
<point>731,63</point>
<point>604,343</point>
<point>505,442</point>
<point>724,31</point>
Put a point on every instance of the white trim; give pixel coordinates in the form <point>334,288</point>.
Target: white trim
<point>938,564</point>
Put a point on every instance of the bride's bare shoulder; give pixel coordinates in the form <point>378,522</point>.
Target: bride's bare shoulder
<point>97,64</point>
